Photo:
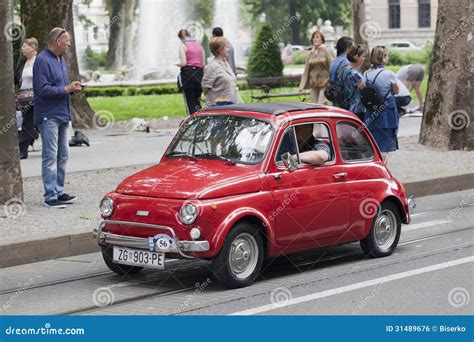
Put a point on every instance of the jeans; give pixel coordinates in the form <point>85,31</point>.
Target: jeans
<point>55,153</point>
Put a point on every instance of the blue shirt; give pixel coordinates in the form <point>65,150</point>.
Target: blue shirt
<point>337,65</point>
<point>50,76</point>
<point>384,81</point>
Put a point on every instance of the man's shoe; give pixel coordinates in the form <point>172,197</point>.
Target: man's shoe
<point>54,204</point>
<point>66,199</point>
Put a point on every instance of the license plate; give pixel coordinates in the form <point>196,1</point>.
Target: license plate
<point>138,257</point>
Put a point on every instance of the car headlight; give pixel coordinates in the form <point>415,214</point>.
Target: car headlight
<point>106,207</point>
<point>188,213</point>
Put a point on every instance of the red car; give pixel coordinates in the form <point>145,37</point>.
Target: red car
<point>232,188</point>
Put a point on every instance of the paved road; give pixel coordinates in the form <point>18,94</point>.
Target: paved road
<point>111,149</point>
<point>430,273</point>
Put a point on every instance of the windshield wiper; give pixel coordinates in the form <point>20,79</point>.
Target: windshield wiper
<point>213,156</point>
<point>179,154</point>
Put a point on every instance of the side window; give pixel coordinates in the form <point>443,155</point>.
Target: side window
<point>353,142</point>
<point>314,137</point>
<point>288,144</point>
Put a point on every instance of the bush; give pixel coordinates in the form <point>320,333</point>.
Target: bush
<point>299,57</point>
<point>411,57</point>
<point>94,60</point>
<point>105,91</point>
<point>265,56</point>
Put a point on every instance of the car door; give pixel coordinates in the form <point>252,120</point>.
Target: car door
<point>312,202</point>
<point>366,175</point>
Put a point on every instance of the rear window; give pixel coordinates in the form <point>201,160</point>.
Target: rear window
<point>353,142</point>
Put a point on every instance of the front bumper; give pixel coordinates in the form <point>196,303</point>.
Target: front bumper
<point>179,247</point>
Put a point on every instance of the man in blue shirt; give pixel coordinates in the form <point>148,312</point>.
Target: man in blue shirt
<point>343,46</point>
<point>52,92</point>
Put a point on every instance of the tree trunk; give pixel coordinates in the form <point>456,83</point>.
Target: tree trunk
<point>358,19</point>
<point>447,118</point>
<point>295,28</point>
<point>39,17</point>
<point>115,23</point>
<point>127,36</point>
<point>11,184</point>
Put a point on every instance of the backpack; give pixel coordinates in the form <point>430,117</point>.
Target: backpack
<point>370,97</point>
<point>335,92</point>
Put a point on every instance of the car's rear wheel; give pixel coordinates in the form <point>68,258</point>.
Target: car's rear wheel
<point>107,254</point>
<point>385,233</point>
<point>240,259</point>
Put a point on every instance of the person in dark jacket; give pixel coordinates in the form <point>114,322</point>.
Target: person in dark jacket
<point>52,91</point>
<point>24,88</point>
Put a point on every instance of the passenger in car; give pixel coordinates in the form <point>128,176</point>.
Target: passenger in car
<point>312,150</point>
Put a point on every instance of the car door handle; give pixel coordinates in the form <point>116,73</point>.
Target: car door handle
<point>340,175</point>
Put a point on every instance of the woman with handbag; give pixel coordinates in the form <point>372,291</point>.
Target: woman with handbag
<point>24,95</point>
<point>316,71</point>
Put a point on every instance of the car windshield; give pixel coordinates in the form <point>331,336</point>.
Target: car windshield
<point>232,138</point>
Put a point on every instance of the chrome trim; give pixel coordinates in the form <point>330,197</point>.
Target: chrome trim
<point>411,204</point>
<point>143,243</point>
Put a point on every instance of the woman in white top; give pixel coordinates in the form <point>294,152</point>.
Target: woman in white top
<point>24,87</point>
<point>219,82</point>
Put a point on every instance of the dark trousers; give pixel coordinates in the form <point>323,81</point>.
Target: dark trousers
<point>28,133</point>
<point>190,84</point>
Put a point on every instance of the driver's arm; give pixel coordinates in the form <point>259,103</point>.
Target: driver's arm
<point>314,157</point>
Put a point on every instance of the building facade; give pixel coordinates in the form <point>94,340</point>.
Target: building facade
<point>403,20</point>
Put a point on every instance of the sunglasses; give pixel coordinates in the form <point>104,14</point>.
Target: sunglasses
<point>60,33</point>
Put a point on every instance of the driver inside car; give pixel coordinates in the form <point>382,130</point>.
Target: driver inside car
<point>312,150</point>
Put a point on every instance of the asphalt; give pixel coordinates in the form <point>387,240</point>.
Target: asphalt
<point>35,233</point>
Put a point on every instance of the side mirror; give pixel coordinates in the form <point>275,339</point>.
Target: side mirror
<point>290,163</point>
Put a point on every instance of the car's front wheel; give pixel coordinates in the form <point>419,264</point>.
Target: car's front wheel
<point>107,254</point>
<point>385,233</point>
<point>240,259</point>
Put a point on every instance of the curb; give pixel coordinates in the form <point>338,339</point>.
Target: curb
<point>71,245</point>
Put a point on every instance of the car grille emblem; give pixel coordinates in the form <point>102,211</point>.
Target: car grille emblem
<point>143,213</point>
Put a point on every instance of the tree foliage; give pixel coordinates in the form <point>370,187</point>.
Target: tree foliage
<point>265,56</point>
<point>278,12</point>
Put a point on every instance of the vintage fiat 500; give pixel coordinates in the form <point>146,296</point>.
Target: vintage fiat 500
<point>232,187</point>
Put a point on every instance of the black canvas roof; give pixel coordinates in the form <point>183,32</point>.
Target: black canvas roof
<point>275,108</point>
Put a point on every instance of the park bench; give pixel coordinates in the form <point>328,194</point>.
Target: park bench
<point>266,84</point>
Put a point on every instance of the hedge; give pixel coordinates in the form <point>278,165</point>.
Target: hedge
<point>145,90</point>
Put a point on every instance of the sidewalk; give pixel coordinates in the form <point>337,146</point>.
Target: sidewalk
<point>42,233</point>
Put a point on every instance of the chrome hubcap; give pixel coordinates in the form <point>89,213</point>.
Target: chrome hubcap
<point>385,229</point>
<point>243,256</point>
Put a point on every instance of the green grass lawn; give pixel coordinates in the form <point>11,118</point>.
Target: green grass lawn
<point>158,106</point>
<point>172,105</point>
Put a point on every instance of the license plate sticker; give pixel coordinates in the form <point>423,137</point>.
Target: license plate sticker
<point>138,257</point>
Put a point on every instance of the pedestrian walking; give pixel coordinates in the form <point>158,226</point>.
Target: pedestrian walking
<point>219,82</point>
<point>52,108</point>
<point>383,121</point>
<point>192,59</point>
<point>24,95</point>
<point>218,32</point>
<point>316,70</point>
